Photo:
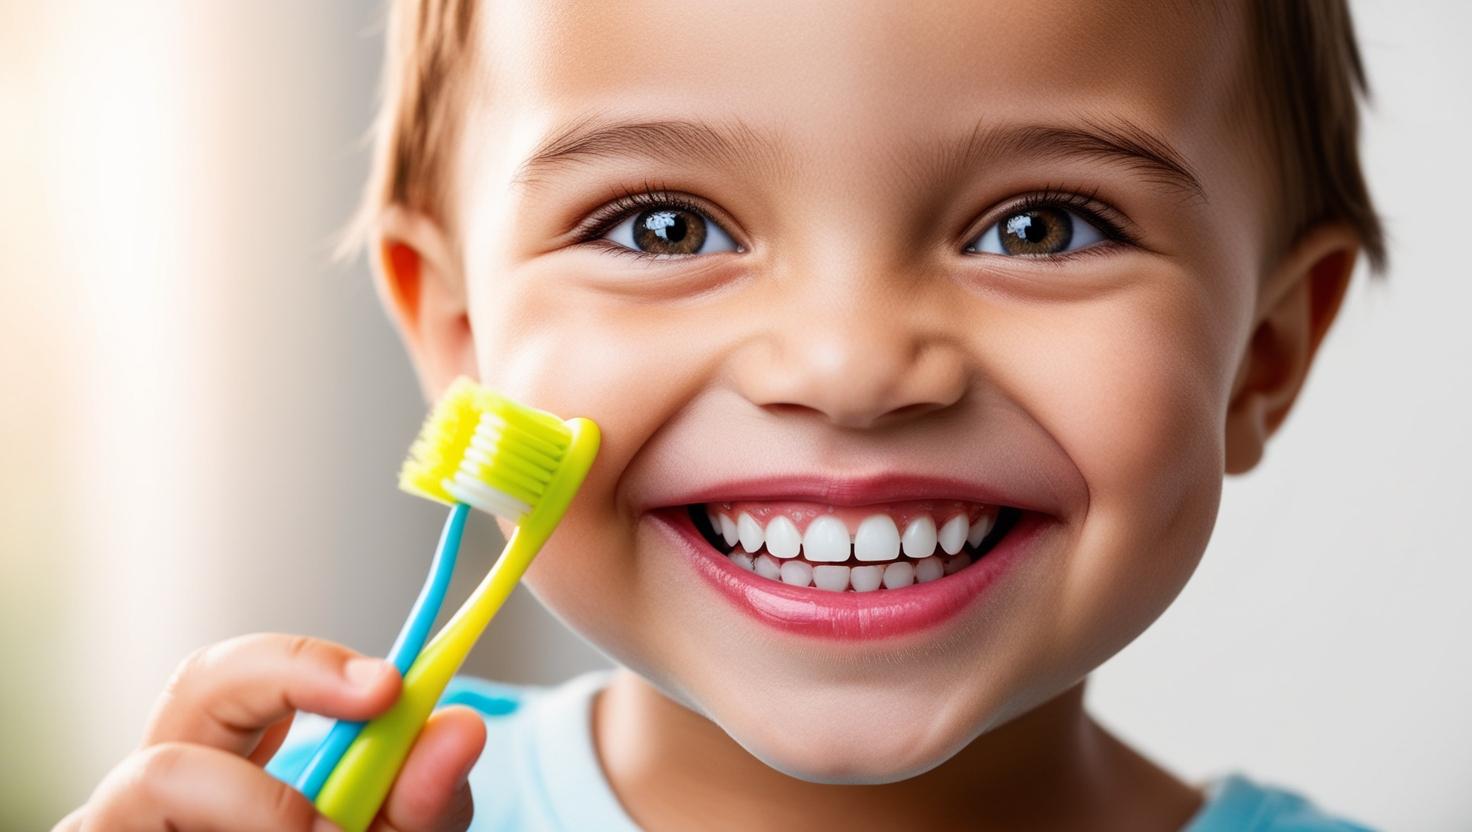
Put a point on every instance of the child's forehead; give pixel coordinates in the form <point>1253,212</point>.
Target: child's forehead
<point>846,72</point>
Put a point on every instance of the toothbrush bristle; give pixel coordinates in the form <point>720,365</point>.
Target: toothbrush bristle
<point>436,452</point>
<point>481,448</point>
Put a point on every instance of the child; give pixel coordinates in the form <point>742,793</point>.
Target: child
<point>921,336</point>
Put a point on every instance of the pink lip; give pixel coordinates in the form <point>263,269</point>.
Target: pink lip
<point>850,616</point>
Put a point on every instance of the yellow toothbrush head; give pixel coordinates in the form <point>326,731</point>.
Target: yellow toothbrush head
<point>483,449</point>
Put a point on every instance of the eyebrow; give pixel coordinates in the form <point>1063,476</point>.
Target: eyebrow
<point>591,139</point>
<point>736,144</point>
<point>1116,140</point>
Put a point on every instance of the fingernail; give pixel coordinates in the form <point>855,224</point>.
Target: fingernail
<point>325,825</point>
<point>364,671</point>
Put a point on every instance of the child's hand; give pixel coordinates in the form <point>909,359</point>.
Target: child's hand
<point>226,711</point>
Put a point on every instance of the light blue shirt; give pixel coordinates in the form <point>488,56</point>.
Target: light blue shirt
<point>540,772</point>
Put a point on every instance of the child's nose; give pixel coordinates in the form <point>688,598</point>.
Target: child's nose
<point>860,362</point>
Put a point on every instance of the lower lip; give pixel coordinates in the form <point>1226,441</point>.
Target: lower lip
<point>850,616</point>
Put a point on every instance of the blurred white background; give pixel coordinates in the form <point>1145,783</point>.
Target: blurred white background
<point>202,419</point>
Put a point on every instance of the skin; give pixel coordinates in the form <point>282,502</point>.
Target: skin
<point>854,333</point>
<point>226,711</point>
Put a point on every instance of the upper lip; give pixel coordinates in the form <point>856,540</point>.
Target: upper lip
<point>848,491</point>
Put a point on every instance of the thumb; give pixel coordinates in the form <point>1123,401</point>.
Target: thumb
<point>432,791</point>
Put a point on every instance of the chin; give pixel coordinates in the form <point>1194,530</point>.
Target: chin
<point>838,751</point>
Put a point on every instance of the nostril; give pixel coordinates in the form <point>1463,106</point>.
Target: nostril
<point>791,409</point>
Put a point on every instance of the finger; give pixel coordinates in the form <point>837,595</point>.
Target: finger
<point>432,793</point>
<point>180,786</point>
<point>225,694</point>
<point>72,822</point>
<point>271,740</point>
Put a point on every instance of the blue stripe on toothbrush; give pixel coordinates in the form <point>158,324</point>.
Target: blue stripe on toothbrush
<point>405,650</point>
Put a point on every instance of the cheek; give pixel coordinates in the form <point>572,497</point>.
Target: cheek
<point>1140,412</point>
<point>626,366</point>
<point>1133,387</point>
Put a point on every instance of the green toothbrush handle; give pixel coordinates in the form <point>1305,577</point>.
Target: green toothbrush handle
<point>357,787</point>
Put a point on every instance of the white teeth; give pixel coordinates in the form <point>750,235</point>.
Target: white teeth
<point>783,540</point>
<point>830,577</point>
<point>825,547</point>
<point>826,540</point>
<point>953,534</point>
<point>749,531</point>
<point>981,528</point>
<point>728,530</point>
<point>866,578</point>
<point>899,575</point>
<point>767,567</point>
<point>797,573</point>
<point>919,539</point>
<point>877,539</point>
<point>928,569</point>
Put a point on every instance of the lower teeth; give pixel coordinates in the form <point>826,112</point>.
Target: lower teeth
<point>840,578</point>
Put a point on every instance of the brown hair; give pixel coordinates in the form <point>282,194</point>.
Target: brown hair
<point>1306,74</point>
<point>426,73</point>
<point>1310,78</point>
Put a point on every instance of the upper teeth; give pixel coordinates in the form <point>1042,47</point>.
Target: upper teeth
<point>826,540</point>
<point>875,538</point>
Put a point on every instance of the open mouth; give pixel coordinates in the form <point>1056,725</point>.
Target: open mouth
<point>853,548</point>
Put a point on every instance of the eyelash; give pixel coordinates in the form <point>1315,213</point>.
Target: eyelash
<point>1112,224</point>
<point>622,202</point>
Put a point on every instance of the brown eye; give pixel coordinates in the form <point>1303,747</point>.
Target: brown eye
<point>1038,232</point>
<point>669,231</point>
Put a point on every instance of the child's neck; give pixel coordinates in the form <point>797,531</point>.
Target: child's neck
<point>1051,768</point>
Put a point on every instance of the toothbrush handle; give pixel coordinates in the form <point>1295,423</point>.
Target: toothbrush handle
<point>403,654</point>
<point>358,785</point>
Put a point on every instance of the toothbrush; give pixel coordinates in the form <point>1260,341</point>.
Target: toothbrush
<point>481,450</point>
<point>445,430</point>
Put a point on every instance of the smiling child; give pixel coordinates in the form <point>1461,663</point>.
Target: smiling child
<point>921,336</point>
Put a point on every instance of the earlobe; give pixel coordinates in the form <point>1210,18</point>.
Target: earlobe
<point>1297,304</point>
<point>421,286</point>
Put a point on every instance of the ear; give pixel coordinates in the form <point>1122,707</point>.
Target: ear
<point>1298,302</point>
<point>422,287</point>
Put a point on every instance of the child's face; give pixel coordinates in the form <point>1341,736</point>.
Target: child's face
<point>1013,248</point>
